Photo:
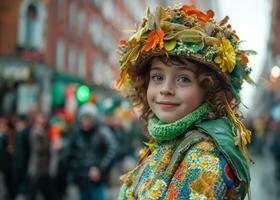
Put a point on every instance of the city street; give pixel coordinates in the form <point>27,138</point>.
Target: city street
<point>85,84</point>
<point>263,184</point>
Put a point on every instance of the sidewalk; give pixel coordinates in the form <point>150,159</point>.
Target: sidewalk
<point>263,184</point>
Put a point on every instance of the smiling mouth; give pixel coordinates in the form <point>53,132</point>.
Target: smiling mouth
<point>166,104</point>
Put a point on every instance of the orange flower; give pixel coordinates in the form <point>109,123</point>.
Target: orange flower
<point>171,186</point>
<point>193,11</point>
<point>242,57</point>
<point>178,175</point>
<point>122,78</point>
<point>155,37</point>
<point>171,195</point>
<point>123,42</point>
<point>224,21</point>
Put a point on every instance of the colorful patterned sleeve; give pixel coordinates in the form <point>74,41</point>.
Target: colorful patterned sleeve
<point>203,174</point>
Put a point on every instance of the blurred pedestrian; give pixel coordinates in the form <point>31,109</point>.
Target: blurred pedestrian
<point>122,137</point>
<point>38,166</point>
<point>7,146</point>
<point>183,70</point>
<point>21,155</point>
<point>275,142</point>
<point>275,148</point>
<point>4,161</point>
<point>91,151</point>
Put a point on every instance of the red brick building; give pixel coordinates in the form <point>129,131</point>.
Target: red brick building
<point>275,29</point>
<point>23,73</point>
<point>268,95</point>
<point>83,35</point>
<point>76,39</point>
<point>8,27</point>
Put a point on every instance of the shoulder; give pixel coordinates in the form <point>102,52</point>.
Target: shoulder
<point>204,146</point>
<point>204,150</point>
<point>204,159</point>
<point>104,131</point>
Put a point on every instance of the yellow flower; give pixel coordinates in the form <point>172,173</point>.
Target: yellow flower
<point>152,163</point>
<point>166,159</point>
<point>154,194</point>
<point>203,163</point>
<point>193,156</point>
<point>245,136</point>
<point>159,184</point>
<point>226,56</point>
<point>193,165</point>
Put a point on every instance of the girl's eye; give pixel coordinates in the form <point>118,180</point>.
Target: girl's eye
<point>156,77</point>
<point>183,79</point>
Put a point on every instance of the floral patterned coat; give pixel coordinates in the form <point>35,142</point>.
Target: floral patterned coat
<point>179,170</point>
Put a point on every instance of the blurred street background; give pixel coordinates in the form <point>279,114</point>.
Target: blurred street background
<point>58,67</point>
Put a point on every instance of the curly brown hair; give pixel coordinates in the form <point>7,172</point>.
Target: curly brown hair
<point>217,91</point>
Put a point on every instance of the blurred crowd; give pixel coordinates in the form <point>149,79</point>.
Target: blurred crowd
<point>40,155</point>
<point>266,138</point>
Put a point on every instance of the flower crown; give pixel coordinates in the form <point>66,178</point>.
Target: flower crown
<point>187,32</point>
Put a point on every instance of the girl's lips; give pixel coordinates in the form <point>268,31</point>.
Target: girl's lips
<point>166,104</point>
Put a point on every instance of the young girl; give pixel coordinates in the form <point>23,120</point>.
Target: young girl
<point>184,70</point>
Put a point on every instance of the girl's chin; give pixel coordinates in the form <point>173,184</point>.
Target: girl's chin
<point>167,119</point>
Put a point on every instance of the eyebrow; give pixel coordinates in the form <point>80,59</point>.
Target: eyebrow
<point>155,68</point>
<point>185,68</point>
<point>180,68</point>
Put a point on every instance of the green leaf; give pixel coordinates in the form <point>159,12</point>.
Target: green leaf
<point>237,70</point>
<point>250,52</point>
<point>249,79</point>
<point>169,45</point>
<point>235,91</point>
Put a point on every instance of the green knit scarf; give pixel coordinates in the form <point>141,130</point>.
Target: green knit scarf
<point>162,131</point>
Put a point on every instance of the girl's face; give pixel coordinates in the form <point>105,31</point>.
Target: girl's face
<point>173,90</point>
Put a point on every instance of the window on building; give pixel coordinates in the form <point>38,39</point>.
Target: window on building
<point>31,18</point>
<point>31,25</point>
<point>60,2</point>
<point>107,43</point>
<point>81,64</point>
<point>97,3</point>
<point>60,54</point>
<point>107,9</point>
<point>126,3</point>
<point>139,10</point>
<point>81,21</point>
<point>72,60</point>
<point>96,30</point>
<point>60,9</point>
<point>106,74</point>
<point>72,14</point>
<point>97,71</point>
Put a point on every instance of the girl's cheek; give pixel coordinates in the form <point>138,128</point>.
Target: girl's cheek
<point>187,98</point>
<point>191,98</point>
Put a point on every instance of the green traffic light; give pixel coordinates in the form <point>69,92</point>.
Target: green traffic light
<point>83,93</point>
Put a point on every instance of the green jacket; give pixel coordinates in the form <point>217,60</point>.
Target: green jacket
<point>220,131</point>
<point>156,167</point>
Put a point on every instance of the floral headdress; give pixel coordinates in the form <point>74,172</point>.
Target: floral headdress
<point>185,31</point>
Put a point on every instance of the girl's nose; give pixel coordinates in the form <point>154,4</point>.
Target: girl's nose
<point>167,89</point>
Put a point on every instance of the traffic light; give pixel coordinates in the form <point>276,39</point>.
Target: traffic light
<point>83,93</point>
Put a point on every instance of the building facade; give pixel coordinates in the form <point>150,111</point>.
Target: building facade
<point>267,94</point>
<point>25,78</point>
<point>83,36</point>
<point>43,42</point>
